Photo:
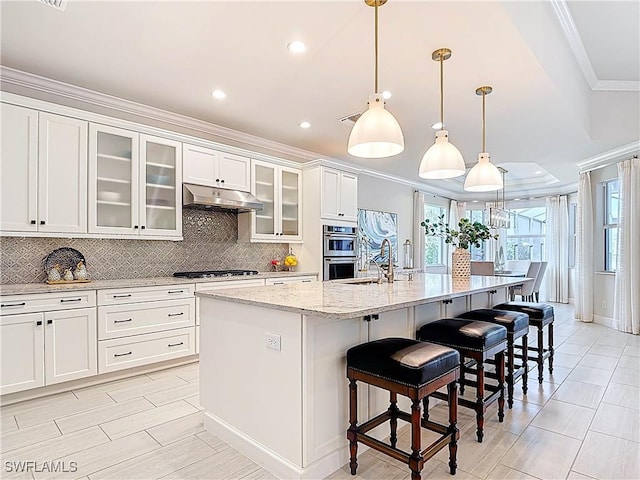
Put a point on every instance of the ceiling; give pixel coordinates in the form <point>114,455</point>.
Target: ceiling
<point>565,75</point>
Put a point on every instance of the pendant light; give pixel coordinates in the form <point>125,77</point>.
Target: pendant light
<point>484,176</point>
<point>377,133</point>
<point>443,159</point>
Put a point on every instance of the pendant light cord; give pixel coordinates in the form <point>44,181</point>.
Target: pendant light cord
<point>375,89</point>
<point>441,92</point>
<point>484,149</point>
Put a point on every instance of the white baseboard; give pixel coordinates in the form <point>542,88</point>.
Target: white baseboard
<point>605,321</point>
<point>271,461</point>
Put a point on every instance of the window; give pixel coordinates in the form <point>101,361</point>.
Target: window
<point>611,210</point>
<point>525,238</point>
<point>434,247</point>
<point>573,214</point>
<point>477,253</point>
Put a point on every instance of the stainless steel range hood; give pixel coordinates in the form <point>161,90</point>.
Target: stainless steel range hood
<point>199,196</point>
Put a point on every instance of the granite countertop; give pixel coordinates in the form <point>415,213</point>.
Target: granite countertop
<point>30,288</point>
<point>342,300</point>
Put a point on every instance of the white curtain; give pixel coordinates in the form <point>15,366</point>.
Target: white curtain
<point>454,218</point>
<point>557,245</point>
<point>584,250</point>
<point>627,296</point>
<point>418,231</point>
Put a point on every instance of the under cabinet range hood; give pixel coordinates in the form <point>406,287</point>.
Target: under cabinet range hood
<point>199,196</point>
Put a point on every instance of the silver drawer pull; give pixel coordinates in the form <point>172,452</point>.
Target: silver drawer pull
<point>67,300</point>
<point>278,283</point>
<point>176,291</point>
<point>122,296</point>
<point>14,304</point>
<point>307,281</point>
<point>175,344</point>
<point>175,314</point>
<point>123,321</point>
<point>122,354</point>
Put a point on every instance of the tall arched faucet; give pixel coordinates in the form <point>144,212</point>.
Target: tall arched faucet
<point>390,267</point>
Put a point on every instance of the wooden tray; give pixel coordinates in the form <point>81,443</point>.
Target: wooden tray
<point>58,282</point>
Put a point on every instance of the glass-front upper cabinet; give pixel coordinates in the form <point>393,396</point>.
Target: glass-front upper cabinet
<point>279,189</point>
<point>134,183</point>
<point>113,180</point>
<point>160,161</point>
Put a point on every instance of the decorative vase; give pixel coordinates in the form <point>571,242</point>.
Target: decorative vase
<point>461,263</point>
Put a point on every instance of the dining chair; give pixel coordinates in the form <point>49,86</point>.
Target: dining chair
<point>538,282</point>
<point>526,289</point>
<point>482,268</point>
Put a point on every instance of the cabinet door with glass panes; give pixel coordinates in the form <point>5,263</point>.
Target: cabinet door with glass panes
<point>113,180</point>
<point>290,200</point>
<point>160,193</point>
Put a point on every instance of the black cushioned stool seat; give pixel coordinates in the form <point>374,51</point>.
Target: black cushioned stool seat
<point>478,342</point>
<point>517,325</point>
<point>413,369</point>
<point>541,315</point>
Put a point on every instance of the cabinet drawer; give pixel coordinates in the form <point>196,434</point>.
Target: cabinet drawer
<point>209,286</point>
<point>119,296</point>
<point>282,281</point>
<point>125,320</point>
<point>121,353</point>
<point>46,302</point>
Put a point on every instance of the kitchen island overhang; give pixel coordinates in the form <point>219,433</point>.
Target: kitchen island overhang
<point>272,359</point>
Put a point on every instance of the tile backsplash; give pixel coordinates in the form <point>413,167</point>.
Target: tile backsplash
<point>210,243</point>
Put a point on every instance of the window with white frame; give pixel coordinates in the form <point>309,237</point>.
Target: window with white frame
<point>611,210</point>
<point>477,253</point>
<point>434,247</point>
<point>526,236</point>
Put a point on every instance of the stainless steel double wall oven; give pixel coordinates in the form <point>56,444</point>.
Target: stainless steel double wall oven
<point>340,249</point>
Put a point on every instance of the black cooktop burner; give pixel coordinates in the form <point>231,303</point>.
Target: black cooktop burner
<point>215,273</point>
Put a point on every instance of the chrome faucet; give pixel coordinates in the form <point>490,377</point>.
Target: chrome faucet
<point>390,264</point>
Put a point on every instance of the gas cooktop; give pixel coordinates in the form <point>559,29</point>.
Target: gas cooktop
<point>215,273</point>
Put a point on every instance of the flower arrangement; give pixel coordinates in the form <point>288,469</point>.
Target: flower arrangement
<point>468,233</point>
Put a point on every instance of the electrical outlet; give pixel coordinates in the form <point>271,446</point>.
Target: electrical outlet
<point>273,341</point>
<point>603,305</point>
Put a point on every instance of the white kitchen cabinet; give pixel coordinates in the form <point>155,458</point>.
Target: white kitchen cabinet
<point>70,345</point>
<point>205,166</point>
<point>43,172</point>
<point>279,188</point>
<point>285,280</point>
<point>339,191</point>
<point>46,348</point>
<point>134,183</point>
<point>21,352</point>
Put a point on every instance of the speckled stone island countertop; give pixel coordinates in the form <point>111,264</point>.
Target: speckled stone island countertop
<point>30,288</point>
<point>342,299</point>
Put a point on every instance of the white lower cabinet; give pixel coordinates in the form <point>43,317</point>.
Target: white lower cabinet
<point>285,280</point>
<point>139,350</point>
<point>40,349</point>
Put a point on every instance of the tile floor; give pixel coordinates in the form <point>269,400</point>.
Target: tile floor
<point>581,423</point>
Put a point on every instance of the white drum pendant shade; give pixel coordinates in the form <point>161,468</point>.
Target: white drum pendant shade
<point>484,176</point>
<point>377,133</point>
<point>442,160</point>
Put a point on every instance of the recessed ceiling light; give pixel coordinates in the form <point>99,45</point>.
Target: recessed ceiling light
<point>538,172</point>
<point>437,126</point>
<point>516,199</point>
<point>297,47</point>
<point>219,94</point>
<point>305,125</point>
<point>386,94</point>
<point>474,201</point>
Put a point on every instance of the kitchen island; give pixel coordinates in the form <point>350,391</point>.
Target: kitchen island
<point>272,359</point>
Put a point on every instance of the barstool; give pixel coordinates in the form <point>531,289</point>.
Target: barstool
<point>517,325</point>
<point>413,369</point>
<point>540,316</point>
<point>478,342</point>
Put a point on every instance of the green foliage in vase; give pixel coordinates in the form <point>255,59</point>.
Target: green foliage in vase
<point>468,233</point>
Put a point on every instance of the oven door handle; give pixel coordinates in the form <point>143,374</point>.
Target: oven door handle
<point>340,236</point>
<point>340,260</point>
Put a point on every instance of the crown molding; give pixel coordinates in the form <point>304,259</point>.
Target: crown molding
<point>48,86</point>
<point>577,47</point>
<point>607,158</point>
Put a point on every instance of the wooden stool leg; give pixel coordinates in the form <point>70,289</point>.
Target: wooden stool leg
<point>480,401</point>
<point>452,398</point>
<point>540,359</point>
<point>415,460</point>
<point>462,372</point>
<point>500,372</point>
<point>425,409</point>
<point>510,379</point>
<point>393,420</point>
<point>352,435</point>
<point>525,362</point>
<point>551,347</point>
